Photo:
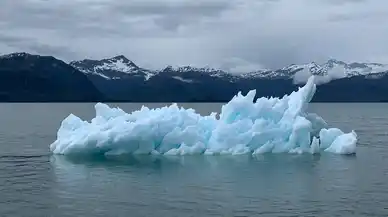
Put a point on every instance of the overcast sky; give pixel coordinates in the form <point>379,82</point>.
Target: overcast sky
<point>231,34</point>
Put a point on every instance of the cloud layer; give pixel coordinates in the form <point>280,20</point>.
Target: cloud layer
<point>234,35</point>
<point>301,77</point>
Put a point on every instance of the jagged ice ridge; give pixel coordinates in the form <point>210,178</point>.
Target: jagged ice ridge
<point>277,125</point>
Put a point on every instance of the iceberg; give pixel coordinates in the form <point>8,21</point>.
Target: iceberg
<point>244,126</point>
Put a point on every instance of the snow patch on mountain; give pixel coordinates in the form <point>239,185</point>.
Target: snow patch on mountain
<point>183,79</point>
<point>120,67</point>
<point>322,77</point>
<point>93,72</point>
<point>335,69</point>
<point>113,68</point>
<point>12,55</point>
<point>208,70</point>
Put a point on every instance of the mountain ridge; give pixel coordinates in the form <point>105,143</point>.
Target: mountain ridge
<point>118,79</point>
<point>117,64</point>
<point>33,78</point>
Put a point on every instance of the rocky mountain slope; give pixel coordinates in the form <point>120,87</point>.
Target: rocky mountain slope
<point>32,78</point>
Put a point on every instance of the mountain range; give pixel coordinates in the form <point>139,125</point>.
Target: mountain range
<point>33,78</point>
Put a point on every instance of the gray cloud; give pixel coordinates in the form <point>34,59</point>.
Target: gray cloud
<point>235,35</point>
<point>302,76</point>
<point>22,44</point>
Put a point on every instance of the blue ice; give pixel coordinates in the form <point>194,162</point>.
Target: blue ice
<point>269,125</point>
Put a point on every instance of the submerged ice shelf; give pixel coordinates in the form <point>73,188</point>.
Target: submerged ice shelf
<point>274,125</point>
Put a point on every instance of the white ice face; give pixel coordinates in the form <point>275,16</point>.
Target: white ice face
<point>275,125</point>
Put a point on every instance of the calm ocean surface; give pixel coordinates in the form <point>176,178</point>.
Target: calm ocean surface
<point>35,183</point>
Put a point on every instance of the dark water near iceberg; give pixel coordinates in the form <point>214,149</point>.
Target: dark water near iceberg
<point>35,183</point>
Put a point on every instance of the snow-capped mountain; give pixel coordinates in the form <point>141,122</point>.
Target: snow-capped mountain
<point>187,69</point>
<point>14,55</point>
<point>120,67</point>
<point>26,77</point>
<point>113,68</point>
<point>336,66</point>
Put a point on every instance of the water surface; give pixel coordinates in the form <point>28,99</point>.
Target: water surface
<point>35,183</point>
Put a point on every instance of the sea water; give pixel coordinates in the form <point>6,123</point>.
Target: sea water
<point>33,182</point>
